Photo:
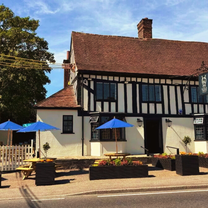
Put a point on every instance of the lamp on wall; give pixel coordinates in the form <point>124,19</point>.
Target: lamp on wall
<point>169,122</point>
<point>139,122</point>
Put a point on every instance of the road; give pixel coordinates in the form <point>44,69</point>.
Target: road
<point>179,199</point>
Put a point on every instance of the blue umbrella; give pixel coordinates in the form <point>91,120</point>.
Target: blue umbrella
<point>113,124</point>
<point>39,126</point>
<point>9,126</point>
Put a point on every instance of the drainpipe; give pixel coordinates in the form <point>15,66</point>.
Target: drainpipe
<point>82,104</point>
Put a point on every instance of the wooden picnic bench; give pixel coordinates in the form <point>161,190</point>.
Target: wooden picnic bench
<point>26,170</point>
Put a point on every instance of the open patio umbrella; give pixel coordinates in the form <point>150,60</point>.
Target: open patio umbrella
<point>39,126</point>
<point>114,124</point>
<point>9,126</point>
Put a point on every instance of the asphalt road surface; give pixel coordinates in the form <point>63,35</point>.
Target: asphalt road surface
<point>182,198</point>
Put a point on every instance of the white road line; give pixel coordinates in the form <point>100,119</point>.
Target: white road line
<point>50,199</point>
<point>152,193</point>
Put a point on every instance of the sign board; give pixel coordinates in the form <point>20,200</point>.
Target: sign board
<point>27,124</point>
<point>203,84</point>
<point>93,119</point>
<point>198,120</point>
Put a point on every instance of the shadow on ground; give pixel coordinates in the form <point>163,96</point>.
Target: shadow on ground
<point>71,172</point>
<point>154,168</point>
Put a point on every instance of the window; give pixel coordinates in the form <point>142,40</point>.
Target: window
<point>106,91</point>
<point>196,98</point>
<point>199,132</point>
<point>67,124</point>
<point>201,128</point>
<point>151,93</point>
<point>106,134</point>
<point>94,135</point>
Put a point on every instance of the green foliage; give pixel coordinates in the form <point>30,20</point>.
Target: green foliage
<point>21,88</point>
<point>46,146</point>
<point>129,159</point>
<point>117,161</point>
<point>186,140</point>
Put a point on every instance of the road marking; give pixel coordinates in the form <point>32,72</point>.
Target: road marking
<point>36,200</point>
<point>152,193</point>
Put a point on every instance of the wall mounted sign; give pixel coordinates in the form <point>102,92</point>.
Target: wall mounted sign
<point>93,119</point>
<point>198,120</point>
<point>203,84</point>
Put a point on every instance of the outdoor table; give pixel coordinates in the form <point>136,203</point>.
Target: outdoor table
<point>110,155</point>
<point>27,170</point>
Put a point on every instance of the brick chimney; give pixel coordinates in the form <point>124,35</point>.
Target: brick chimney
<point>145,28</point>
<point>66,69</point>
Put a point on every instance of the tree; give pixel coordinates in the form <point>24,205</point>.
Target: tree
<point>24,60</point>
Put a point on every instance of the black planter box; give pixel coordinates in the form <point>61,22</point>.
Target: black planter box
<point>168,164</point>
<point>203,162</point>
<point>164,163</point>
<point>156,162</point>
<point>45,173</point>
<point>187,165</point>
<point>113,172</point>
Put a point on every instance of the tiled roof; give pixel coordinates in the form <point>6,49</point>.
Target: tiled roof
<point>136,55</point>
<point>65,98</point>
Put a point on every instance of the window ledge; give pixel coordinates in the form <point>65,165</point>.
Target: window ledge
<point>200,140</point>
<point>67,133</point>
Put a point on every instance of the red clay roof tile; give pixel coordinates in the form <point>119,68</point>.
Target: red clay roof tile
<point>136,55</point>
<point>65,98</point>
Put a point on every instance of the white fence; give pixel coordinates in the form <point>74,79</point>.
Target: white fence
<point>12,157</point>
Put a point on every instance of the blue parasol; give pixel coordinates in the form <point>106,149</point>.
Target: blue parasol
<point>113,124</point>
<point>9,126</point>
<point>39,126</point>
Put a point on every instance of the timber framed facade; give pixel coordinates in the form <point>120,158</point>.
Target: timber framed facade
<point>133,79</point>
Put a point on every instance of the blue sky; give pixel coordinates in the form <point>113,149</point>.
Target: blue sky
<point>172,19</point>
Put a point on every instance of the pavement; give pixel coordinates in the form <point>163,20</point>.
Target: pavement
<point>76,182</point>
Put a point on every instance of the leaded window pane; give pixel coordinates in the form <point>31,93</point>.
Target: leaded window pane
<point>145,92</point>
<point>67,124</point>
<point>112,91</point>
<point>158,92</point>
<point>99,92</point>
<point>95,135</point>
<point>199,131</point>
<point>106,91</point>
<point>193,95</point>
<point>151,93</point>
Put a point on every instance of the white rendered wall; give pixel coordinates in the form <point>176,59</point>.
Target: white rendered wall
<point>62,145</point>
<point>201,146</point>
<point>173,136</point>
<point>134,136</point>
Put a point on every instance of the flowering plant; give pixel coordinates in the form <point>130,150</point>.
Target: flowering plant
<point>201,154</point>
<point>119,162</point>
<point>190,153</point>
<point>164,156</point>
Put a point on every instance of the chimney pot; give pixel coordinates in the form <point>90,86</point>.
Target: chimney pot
<point>145,28</point>
<point>68,55</point>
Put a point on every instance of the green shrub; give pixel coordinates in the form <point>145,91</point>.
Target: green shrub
<point>117,161</point>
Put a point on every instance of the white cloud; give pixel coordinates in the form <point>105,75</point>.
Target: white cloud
<point>173,2</point>
<point>40,7</point>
